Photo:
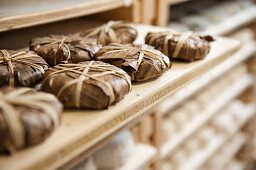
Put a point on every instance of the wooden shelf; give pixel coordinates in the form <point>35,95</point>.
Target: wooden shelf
<point>19,14</point>
<point>143,155</point>
<point>198,161</point>
<point>81,129</point>
<point>242,55</point>
<point>230,151</point>
<point>214,107</point>
<point>232,23</point>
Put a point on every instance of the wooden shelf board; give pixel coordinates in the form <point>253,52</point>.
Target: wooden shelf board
<point>242,55</point>
<point>143,155</point>
<point>207,153</point>
<point>81,129</point>
<point>232,23</point>
<point>19,14</point>
<point>214,107</point>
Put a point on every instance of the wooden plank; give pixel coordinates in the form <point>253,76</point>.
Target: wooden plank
<point>81,129</point>
<point>18,14</point>
<point>213,109</point>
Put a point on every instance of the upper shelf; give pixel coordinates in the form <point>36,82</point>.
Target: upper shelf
<point>81,129</point>
<point>18,14</point>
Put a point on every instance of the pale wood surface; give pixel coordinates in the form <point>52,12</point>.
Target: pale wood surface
<point>18,14</point>
<point>82,129</point>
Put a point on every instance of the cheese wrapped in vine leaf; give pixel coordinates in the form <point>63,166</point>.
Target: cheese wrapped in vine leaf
<point>141,62</point>
<point>182,46</point>
<point>27,117</point>
<point>57,49</point>
<point>112,32</point>
<point>21,68</point>
<point>88,85</point>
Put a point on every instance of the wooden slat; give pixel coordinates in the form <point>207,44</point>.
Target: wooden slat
<point>80,130</point>
<point>17,14</point>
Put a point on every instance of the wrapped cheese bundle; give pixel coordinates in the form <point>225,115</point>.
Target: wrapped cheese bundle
<point>89,84</point>
<point>27,117</point>
<point>183,46</point>
<point>112,32</point>
<point>57,49</point>
<point>21,68</point>
<point>115,153</point>
<point>141,62</point>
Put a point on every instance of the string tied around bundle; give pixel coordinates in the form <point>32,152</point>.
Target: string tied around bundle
<point>107,33</point>
<point>53,40</point>
<point>19,57</point>
<point>23,97</point>
<point>181,41</point>
<point>144,51</point>
<point>83,70</point>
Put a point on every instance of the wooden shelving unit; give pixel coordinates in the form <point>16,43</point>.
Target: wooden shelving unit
<point>245,18</point>
<point>81,130</point>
